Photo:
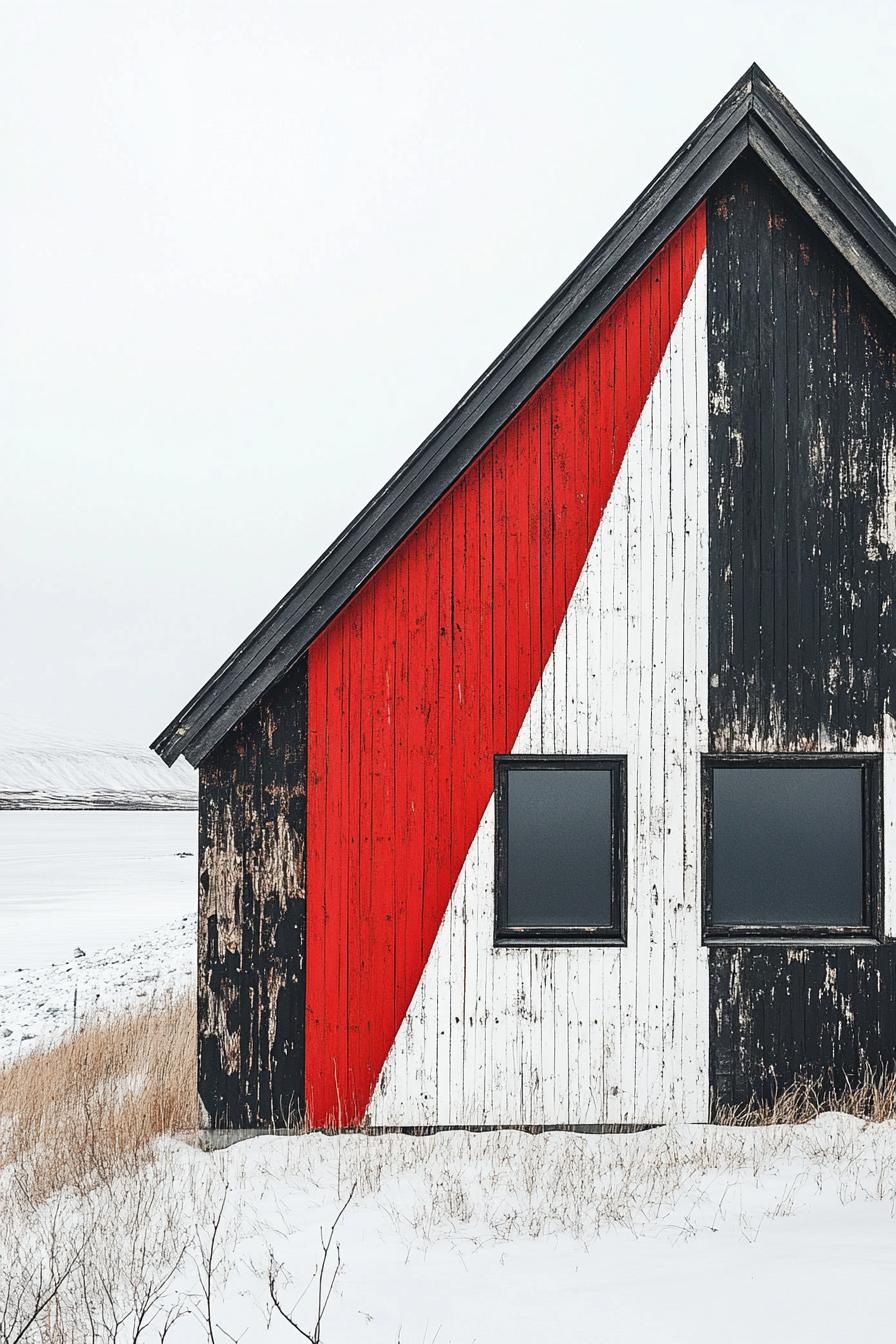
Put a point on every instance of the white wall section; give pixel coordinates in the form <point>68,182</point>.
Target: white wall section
<point>584,1035</point>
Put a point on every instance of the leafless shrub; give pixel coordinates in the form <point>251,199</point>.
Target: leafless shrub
<point>107,1265</point>
<point>33,1282</point>
<point>324,1289</point>
<point>208,1265</point>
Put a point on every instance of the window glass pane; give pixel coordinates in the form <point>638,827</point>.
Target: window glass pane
<point>558,848</point>
<point>787,846</point>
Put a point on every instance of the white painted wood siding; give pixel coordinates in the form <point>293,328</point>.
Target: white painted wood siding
<point>588,1034</point>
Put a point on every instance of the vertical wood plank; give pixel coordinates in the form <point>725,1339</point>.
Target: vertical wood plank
<point>252,915</point>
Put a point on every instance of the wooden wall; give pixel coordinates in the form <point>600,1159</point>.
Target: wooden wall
<point>783,1012</point>
<point>802,457</point>
<point>251,973</point>
<point>802,579</point>
<point>462,646</point>
<point>584,1035</point>
<point>683,542</point>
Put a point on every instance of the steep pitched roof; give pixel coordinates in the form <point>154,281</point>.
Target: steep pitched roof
<point>755,115</point>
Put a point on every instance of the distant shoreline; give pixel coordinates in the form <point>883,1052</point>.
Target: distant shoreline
<point>97,802</point>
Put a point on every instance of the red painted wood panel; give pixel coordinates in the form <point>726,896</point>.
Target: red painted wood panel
<point>428,672</point>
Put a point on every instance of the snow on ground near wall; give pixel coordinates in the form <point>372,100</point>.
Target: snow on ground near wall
<point>41,767</point>
<point>40,1004</point>
<point>685,1236</point>
<point>90,879</point>
<point>120,886</point>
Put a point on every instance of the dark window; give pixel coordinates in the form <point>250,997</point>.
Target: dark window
<point>560,851</point>
<point>792,845</point>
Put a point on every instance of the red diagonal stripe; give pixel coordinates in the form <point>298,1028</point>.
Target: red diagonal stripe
<point>429,670</point>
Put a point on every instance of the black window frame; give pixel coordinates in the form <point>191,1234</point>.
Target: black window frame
<point>871,928</point>
<point>595,935</point>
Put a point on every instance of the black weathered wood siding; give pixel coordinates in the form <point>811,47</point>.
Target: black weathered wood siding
<point>252,813</point>
<point>781,1013</point>
<point>802,444</point>
<point>802,361</point>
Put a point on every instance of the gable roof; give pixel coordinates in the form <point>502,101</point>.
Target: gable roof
<point>753,114</point>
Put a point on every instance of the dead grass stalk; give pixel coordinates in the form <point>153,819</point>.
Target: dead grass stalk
<point>93,1105</point>
<point>871,1097</point>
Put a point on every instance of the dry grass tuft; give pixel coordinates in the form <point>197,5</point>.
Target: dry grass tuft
<point>873,1097</point>
<point>90,1107</point>
<point>104,1220</point>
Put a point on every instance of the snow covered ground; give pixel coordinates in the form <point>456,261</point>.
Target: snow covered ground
<point>683,1236</point>
<point>120,886</point>
<point>673,1235</point>
<point>45,768</point>
<point>39,1004</point>
<point>90,879</point>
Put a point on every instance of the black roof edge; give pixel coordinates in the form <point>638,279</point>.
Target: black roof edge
<point>755,114</point>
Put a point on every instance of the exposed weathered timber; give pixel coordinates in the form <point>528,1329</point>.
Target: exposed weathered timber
<point>802,362</point>
<point>252,819</point>
<point>802,547</point>
<point>783,1013</point>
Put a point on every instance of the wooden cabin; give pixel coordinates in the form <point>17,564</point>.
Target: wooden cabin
<point>561,790</point>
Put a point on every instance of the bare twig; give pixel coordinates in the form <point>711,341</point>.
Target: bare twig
<point>207,1265</point>
<point>323,1294</point>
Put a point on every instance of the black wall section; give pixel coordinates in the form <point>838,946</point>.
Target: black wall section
<point>780,1013</point>
<point>802,433</point>
<point>802,446</point>
<point>252,819</point>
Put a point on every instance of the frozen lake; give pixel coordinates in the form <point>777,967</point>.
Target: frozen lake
<point>90,879</point>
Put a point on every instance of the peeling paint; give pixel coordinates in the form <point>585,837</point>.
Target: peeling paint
<point>720,392</point>
<point>803,475</point>
<point>252,915</point>
<point>826,1013</point>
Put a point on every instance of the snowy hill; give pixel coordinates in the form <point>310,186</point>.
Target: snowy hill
<point>46,769</point>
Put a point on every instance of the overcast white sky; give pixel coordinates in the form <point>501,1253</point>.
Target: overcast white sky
<point>250,253</point>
